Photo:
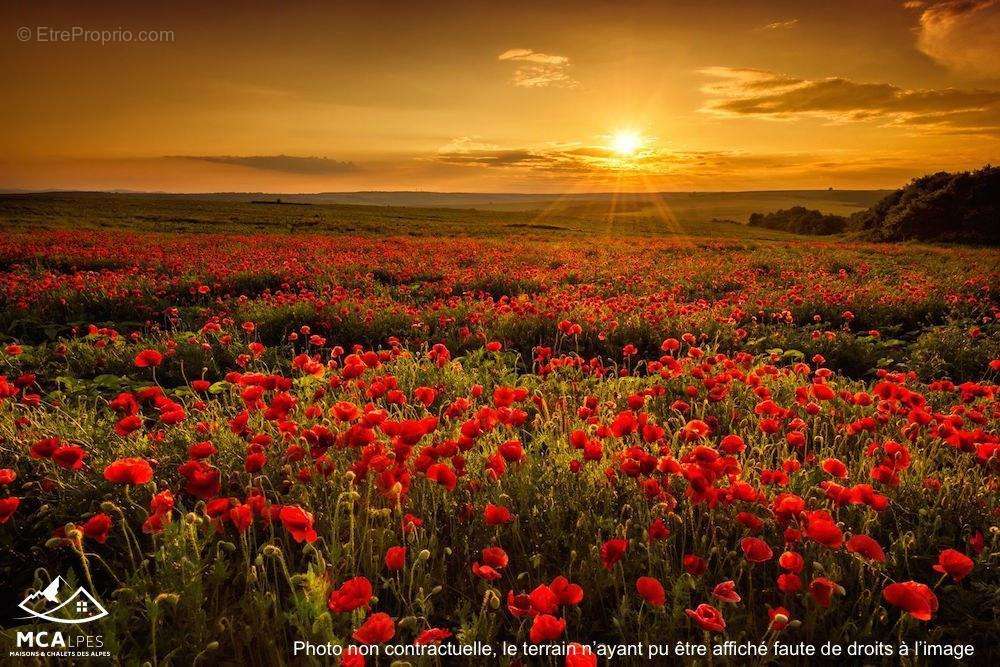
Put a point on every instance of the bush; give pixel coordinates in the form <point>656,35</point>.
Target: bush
<point>960,207</point>
<point>799,220</point>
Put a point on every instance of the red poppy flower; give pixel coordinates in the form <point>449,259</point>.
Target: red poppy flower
<point>825,532</point>
<point>580,655</point>
<point>834,467</point>
<point>7,476</point>
<point>443,475</point>
<point>7,508</point>
<point>789,582</point>
<point>201,450</point>
<point>69,457</point>
<point>129,471</point>
<point>732,444</point>
<point>127,425</point>
<point>242,517</point>
<point>97,527</point>
<point>658,530</point>
<point>546,627</point>
<point>954,563</point>
<point>352,594</point>
<point>822,589</point>
<point>495,557</point>
<point>161,502</point>
<point>378,629</point>
<point>866,547</point>
<point>566,592</point>
<point>651,590</point>
<point>695,565</point>
<point>726,591</point>
<point>518,605</point>
<point>485,571</point>
<point>148,358</point>
<point>707,617</point>
<point>756,550</point>
<point>791,561</point>
<point>298,522</point>
<point>395,558</point>
<point>432,636</point>
<point>612,552</point>
<point>916,599</point>
<point>543,600</point>
<point>496,515</point>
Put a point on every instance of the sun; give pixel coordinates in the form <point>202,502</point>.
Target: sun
<point>626,142</point>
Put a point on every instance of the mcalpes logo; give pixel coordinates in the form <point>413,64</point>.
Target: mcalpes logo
<point>56,603</point>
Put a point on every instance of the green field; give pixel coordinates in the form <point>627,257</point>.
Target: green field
<point>694,214</point>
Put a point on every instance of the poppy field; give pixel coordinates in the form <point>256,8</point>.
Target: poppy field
<point>240,441</point>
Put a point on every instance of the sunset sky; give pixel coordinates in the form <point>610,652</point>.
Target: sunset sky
<point>499,96</point>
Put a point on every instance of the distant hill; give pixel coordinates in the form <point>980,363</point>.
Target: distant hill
<point>962,207</point>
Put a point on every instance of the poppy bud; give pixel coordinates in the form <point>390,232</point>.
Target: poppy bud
<point>322,624</point>
<point>167,598</point>
<point>424,555</point>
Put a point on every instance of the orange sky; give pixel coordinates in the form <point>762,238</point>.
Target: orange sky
<point>487,96</point>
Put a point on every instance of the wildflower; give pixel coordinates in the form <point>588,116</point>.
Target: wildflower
<point>756,550</point>
<point>378,629</point>
<point>866,547</point>
<point>916,599</point>
<point>953,563</point>
<point>133,471</point>
<point>395,558</point>
<point>148,359</point>
<point>612,552</point>
<point>298,522</point>
<point>651,590</point>
<point>546,627</point>
<point>7,508</point>
<point>97,527</point>
<point>726,591</point>
<point>352,594</point>
<point>707,617</point>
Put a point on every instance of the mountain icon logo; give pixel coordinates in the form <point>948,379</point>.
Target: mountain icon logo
<point>78,607</point>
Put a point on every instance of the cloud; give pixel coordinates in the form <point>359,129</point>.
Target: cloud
<point>599,164</point>
<point>288,164</point>
<point>962,34</point>
<point>762,94</point>
<point>779,25</point>
<point>539,70</point>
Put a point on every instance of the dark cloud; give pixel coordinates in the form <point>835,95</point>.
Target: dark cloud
<point>759,93</point>
<point>288,164</point>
